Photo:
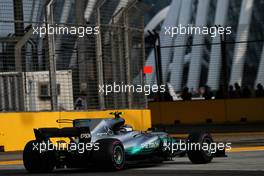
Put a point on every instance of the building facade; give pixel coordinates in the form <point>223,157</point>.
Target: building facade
<point>194,60</point>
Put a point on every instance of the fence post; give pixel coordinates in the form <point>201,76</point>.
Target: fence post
<point>18,62</point>
<point>114,65</point>
<point>52,57</point>
<point>143,60</point>
<point>99,56</point>
<point>224,64</point>
<point>127,50</point>
<point>117,25</point>
<point>121,62</point>
<point>19,32</point>
<point>127,58</point>
<point>157,52</point>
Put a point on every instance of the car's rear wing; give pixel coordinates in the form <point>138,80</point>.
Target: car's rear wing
<point>46,133</point>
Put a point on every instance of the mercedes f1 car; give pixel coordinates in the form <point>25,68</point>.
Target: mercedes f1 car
<point>109,143</point>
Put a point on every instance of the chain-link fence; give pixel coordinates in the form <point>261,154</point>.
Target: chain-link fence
<point>61,71</point>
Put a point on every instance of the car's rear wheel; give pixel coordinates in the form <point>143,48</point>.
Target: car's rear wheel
<point>200,155</point>
<point>36,162</point>
<point>110,155</point>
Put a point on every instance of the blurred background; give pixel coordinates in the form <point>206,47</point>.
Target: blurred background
<point>62,72</point>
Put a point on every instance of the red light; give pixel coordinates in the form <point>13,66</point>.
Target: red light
<point>148,70</point>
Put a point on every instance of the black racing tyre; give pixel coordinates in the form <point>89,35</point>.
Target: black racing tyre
<point>36,162</point>
<point>198,155</point>
<point>110,155</point>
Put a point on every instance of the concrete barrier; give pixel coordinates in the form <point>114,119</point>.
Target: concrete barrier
<point>16,129</point>
<point>207,111</point>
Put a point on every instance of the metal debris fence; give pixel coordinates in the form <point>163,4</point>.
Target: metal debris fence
<point>63,72</point>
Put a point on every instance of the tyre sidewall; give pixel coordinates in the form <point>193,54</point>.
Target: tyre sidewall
<point>37,162</point>
<point>104,156</point>
<point>199,156</point>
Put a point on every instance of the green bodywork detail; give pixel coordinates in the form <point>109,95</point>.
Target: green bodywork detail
<point>144,149</point>
<point>139,150</point>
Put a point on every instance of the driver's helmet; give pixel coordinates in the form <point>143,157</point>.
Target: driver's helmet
<point>126,128</point>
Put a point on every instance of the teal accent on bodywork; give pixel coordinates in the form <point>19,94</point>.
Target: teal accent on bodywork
<point>139,150</point>
<point>168,140</point>
<point>144,149</point>
<point>167,143</point>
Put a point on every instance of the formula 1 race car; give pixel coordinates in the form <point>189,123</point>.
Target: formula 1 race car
<point>109,144</point>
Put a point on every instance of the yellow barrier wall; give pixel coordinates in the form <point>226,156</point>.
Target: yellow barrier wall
<point>252,109</point>
<point>197,112</point>
<point>16,129</point>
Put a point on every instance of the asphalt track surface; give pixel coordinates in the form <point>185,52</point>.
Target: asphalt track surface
<point>246,159</point>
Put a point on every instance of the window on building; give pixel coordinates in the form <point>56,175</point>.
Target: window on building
<point>44,90</point>
<point>58,89</point>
